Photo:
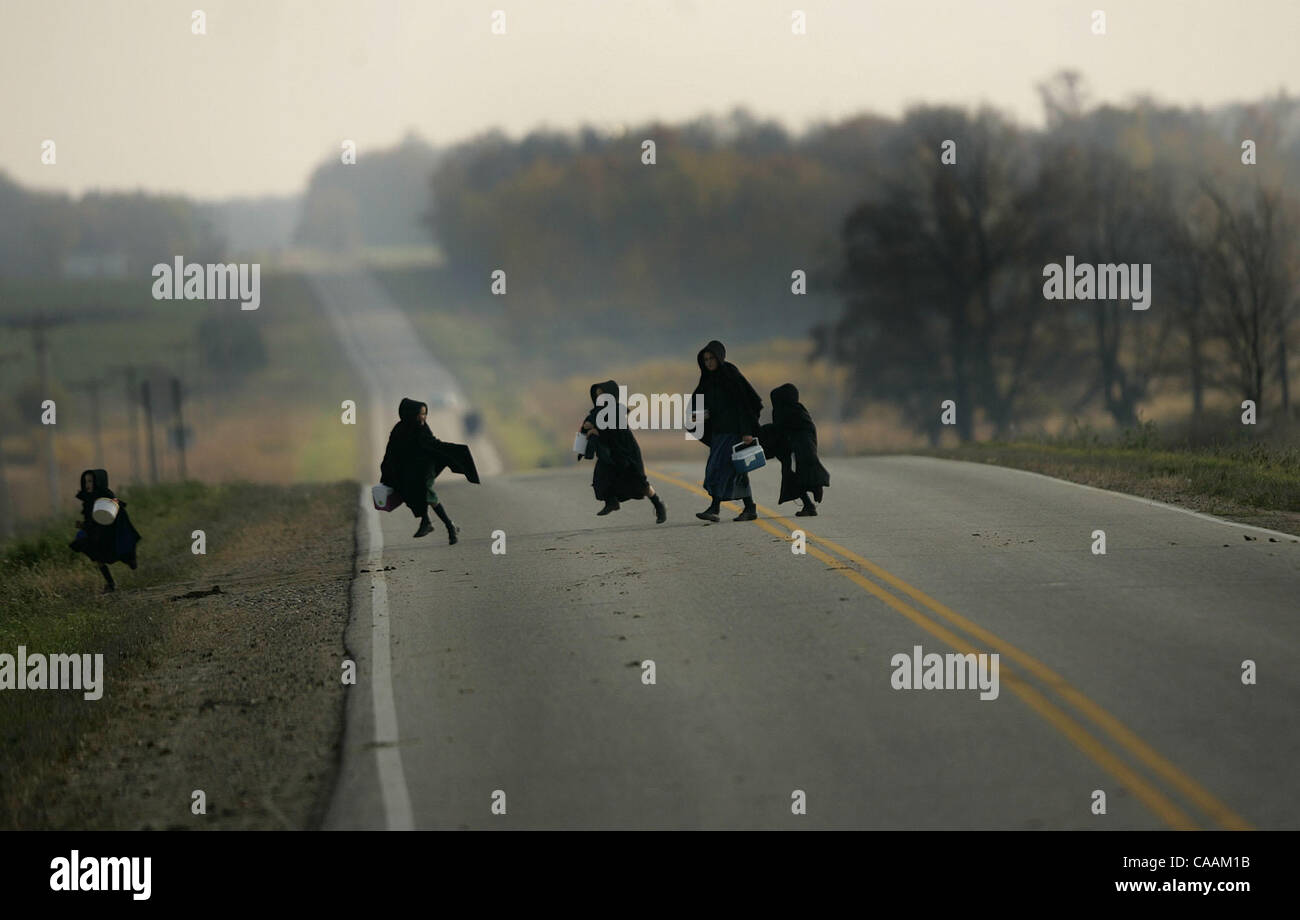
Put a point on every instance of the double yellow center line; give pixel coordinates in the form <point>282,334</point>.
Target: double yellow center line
<point>852,566</point>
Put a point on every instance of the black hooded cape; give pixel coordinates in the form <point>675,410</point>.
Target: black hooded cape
<point>105,543</point>
<point>791,437</point>
<point>620,473</point>
<point>414,456</point>
<point>732,403</point>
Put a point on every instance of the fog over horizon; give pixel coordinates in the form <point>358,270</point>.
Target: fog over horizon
<point>249,108</point>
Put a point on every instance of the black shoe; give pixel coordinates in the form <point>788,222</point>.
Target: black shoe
<point>609,506</point>
<point>425,528</point>
<point>452,537</point>
<point>808,511</point>
<point>707,516</point>
<point>747,515</point>
<point>109,588</point>
<point>661,513</point>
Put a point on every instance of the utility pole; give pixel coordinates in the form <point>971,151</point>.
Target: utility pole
<point>40,323</point>
<point>96,429</point>
<point>133,424</point>
<point>147,404</point>
<point>6,506</point>
<point>95,425</point>
<point>132,421</point>
<point>6,500</point>
<point>43,370</point>
<point>180,424</point>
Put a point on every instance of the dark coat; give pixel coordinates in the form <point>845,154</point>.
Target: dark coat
<point>104,543</point>
<point>414,457</point>
<point>732,403</point>
<point>791,437</point>
<point>619,474</point>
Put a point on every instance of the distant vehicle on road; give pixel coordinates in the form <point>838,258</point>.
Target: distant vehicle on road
<point>444,401</point>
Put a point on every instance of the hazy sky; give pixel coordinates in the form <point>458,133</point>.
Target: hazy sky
<point>133,99</point>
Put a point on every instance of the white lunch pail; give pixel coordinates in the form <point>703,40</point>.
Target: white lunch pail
<point>105,511</point>
<point>580,443</point>
<point>384,497</point>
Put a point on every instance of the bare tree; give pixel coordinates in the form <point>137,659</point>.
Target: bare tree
<point>1188,283</point>
<point>1252,304</point>
<point>1114,214</point>
<point>937,272</point>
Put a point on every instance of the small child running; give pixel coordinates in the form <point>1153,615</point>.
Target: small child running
<point>620,473</point>
<point>791,437</point>
<point>104,543</point>
<point>414,458</point>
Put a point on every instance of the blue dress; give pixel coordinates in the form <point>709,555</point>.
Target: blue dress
<point>721,480</point>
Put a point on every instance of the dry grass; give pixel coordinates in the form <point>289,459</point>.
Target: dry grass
<point>52,603</point>
<point>279,424</point>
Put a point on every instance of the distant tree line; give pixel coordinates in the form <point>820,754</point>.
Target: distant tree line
<point>924,278</point>
<point>935,269</point>
<point>41,231</point>
<point>943,263</point>
<point>590,236</point>
<point>379,200</point>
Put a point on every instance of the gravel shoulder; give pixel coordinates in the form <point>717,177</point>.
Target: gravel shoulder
<point>241,696</point>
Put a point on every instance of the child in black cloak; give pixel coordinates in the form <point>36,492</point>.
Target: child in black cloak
<point>620,473</point>
<point>104,543</point>
<point>731,408</point>
<point>791,437</point>
<point>414,458</point>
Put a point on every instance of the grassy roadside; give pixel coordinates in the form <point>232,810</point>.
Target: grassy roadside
<point>174,667</point>
<point>1249,482</point>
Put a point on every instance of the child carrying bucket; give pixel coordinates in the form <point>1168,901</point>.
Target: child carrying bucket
<point>105,533</point>
<point>414,458</point>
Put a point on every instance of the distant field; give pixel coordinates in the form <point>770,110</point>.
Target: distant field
<point>52,602</point>
<point>283,557</point>
<point>276,423</point>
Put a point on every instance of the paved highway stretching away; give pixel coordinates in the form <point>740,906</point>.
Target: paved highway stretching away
<point>523,672</point>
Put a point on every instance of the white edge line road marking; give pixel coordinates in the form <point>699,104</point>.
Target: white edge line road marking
<point>388,756</point>
<point>1290,537</point>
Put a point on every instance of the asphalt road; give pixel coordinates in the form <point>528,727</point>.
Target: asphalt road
<point>518,678</point>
